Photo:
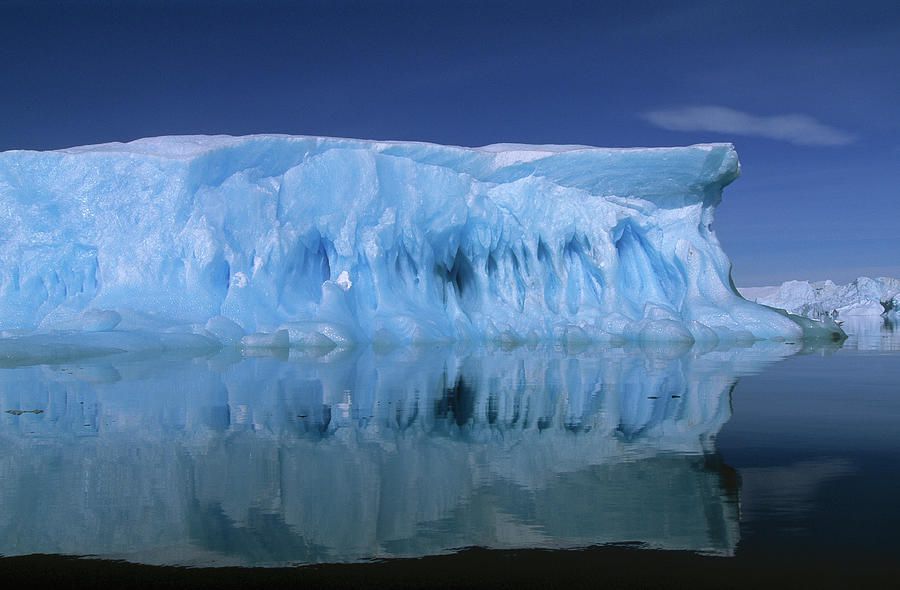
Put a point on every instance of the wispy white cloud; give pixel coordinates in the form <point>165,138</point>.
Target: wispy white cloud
<point>796,129</point>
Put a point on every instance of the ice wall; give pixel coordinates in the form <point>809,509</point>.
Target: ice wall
<point>271,240</point>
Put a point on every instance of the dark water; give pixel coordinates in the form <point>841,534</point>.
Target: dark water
<point>227,460</point>
<point>816,440</point>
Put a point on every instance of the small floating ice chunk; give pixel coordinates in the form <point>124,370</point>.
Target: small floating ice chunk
<point>665,331</point>
<point>227,331</point>
<point>279,339</point>
<point>99,320</point>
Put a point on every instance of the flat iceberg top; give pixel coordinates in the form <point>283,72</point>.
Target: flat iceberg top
<point>275,240</point>
<point>662,170</point>
<point>178,146</point>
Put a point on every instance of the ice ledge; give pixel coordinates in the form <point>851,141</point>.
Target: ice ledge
<point>180,146</point>
<point>280,240</point>
<point>692,168</point>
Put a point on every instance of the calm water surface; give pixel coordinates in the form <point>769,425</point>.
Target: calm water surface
<point>234,460</point>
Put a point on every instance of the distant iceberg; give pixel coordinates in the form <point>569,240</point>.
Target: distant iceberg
<point>825,299</point>
<point>270,241</point>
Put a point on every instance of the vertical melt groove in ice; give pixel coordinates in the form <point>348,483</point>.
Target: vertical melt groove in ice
<point>277,240</point>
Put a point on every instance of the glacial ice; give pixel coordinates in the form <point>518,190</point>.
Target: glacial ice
<point>824,299</point>
<point>269,241</point>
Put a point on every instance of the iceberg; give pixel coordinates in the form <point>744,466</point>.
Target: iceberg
<point>863,297</point>
<point>272,241</point>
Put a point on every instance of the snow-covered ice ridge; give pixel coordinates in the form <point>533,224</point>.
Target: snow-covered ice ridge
<point>272,240</point>
<point>861,297</point>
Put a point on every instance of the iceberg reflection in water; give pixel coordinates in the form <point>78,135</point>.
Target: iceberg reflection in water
<point>260,461</point>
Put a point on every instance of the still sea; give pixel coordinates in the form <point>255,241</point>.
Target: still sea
<point>293,458</point>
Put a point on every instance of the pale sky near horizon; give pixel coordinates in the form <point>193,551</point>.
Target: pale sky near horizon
<point>809,92</point>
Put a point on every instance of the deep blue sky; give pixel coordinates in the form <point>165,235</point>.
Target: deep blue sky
<point>819,194</point>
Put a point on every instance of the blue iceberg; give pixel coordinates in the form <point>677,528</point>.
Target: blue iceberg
<point>271,241</point>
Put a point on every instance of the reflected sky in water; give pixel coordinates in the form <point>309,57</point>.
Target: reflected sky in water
<point>226,459</point>
<point>816,441</point>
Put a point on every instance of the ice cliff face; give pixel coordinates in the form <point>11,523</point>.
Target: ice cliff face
<point>862,297</point>
<point>270,240</point>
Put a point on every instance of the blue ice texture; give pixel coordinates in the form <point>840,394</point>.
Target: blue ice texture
<point>275,241</point>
